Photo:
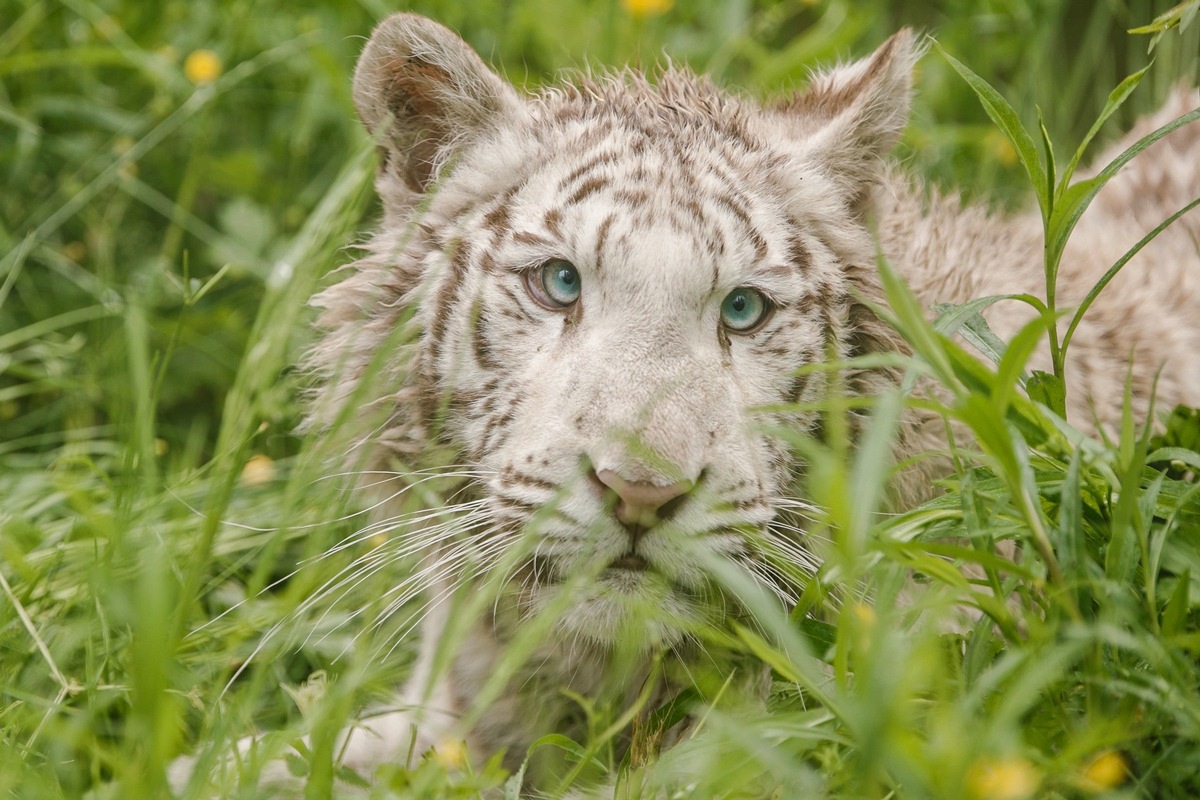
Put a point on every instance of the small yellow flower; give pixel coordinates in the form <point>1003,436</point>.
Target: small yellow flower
<point>107,27</point>
<point>647,8</point>
<point>76,251</point>
<point>1106,770</point>
<point>865,614</point>
<point>259,470</point>
<point>1011,778</point>
<point>202,67</point>
<point>451,754</point>
<point>1001,148</point>
<point>161,447</point>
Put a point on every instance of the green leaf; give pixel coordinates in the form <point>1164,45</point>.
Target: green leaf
<point>1115,98</point>
<point>911,322</point>
<point>348,776</point>
<point>1071,541</point>
<point>1048,149</point>
<point>512,786</point>
<point>1076,199</point>
<point>1049,390</point>
<point>567,745</point>
<point>966,320</point>
<point>821,635</point>
<point>1121,559</point>
<point>1174,618</point>
<point>1001,113</point>
<point>764,652</point>
<point>1188,457</point>
<point>1105,279</point>
<point>1010,368</point>
<point>1180,16</point>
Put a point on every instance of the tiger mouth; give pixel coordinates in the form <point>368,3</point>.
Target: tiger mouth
<point>630,561</point>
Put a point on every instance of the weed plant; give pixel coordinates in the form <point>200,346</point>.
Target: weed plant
<point>179,177</point>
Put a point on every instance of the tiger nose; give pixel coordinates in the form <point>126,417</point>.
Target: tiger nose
<point>641,504</point>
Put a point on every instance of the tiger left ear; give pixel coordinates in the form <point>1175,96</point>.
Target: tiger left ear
<point>423,93</point>
<point>851,117</point>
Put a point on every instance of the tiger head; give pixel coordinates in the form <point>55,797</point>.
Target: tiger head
<point>616,286</point>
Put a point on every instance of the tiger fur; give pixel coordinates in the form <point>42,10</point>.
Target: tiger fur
<point>635,411</point>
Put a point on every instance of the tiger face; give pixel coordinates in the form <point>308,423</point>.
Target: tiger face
<point>617,287</point>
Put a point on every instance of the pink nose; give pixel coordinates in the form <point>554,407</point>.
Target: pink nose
<point>641,504</point>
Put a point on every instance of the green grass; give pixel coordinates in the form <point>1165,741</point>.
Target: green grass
<point>158,240</point>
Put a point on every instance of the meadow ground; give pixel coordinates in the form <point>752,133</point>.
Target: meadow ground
<point>178,177</point>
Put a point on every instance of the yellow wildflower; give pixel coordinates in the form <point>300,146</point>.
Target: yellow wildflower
<point>1001,147</point>
<point>202,67</point>
<point>647,8</point>
<point>107,27</point>
<point>76,251</point>
<point>1011,778</point>
<point>259,470</point>
<point>451,753</point>
<point>1106,770</point>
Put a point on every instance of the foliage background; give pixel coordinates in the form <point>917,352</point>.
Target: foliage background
<point>159,234</point>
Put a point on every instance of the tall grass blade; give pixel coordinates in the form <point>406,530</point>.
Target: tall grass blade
<point>1005,117</point>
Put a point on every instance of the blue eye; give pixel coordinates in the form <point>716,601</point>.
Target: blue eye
<point>555,284</point>
<point>744,309</point>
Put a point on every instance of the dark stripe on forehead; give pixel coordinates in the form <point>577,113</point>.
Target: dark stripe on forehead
<point>588,187</point>
<point>735,207</point>
<point>602,239</point>
<point>597,160</point>
<point>633,197</point>
<point>498,218</point>
<point>528,237</point>
<point>797,254</point>
<point>709,237</point>
<point>777,271</point>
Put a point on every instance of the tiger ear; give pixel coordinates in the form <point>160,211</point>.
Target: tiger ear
<point>851,117</point>
<point>422,92</point>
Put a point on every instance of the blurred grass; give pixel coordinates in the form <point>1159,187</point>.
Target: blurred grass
<point>160,227</point>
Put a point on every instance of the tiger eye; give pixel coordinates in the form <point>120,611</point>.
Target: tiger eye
<point>744,310</point>
<point>554,285</point>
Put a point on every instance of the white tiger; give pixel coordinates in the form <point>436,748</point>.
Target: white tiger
<point>614,282</point>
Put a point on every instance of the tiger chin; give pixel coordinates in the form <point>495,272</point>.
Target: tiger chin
<point>612,286</point>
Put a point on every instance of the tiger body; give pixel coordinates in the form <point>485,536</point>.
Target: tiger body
<point>621,393</point>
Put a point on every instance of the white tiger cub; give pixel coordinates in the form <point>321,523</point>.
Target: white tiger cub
<point>614,282</point>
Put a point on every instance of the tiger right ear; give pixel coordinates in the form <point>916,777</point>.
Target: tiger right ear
<point>422,92</point>
<point>850,117</point>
